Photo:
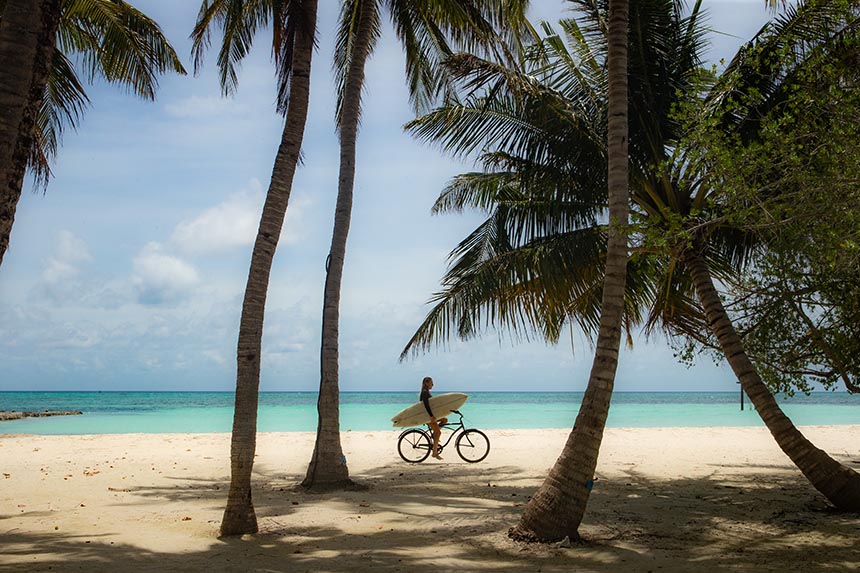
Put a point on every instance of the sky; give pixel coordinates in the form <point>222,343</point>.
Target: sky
<point>128,273</point>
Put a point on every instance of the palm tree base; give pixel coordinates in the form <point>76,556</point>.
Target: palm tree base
<point>238,522</point>
<point>322,486</point>
<point>525,535</point>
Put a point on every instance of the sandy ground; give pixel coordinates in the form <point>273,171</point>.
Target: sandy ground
<point>702,499</point>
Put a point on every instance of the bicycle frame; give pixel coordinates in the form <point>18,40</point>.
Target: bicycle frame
<point>458,426</point>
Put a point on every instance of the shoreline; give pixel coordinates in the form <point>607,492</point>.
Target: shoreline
<point>399,429</point>
<point>673,499</point>
<point>392,431</point>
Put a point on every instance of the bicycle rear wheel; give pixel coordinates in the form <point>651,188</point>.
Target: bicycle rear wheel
<point>414,446</point>
<point>473,445</point>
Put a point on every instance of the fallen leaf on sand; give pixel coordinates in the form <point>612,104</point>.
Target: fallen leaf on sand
<point>186,518</point>
<point>91,472</point>
<point>7,476</point>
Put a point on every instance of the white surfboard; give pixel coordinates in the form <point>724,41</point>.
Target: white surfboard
<point>416,414</point>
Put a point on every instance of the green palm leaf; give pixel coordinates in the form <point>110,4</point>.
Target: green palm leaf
<point>108,39</point>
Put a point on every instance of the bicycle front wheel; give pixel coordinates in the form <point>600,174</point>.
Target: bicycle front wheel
<point>414,446</point>
<point>473,445</point>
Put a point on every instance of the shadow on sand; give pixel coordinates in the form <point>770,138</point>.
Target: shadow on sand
<point>454,517</point>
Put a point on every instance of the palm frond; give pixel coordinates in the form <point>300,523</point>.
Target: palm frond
<point>759,77</point>
<point>490,284</point>
<point>109,39</point>
<point>291,18</point>
<point>117,42</point>
<point>538,131</point>
<point>62,106</point>
<point>239,21</point>
<point>348,28</point>
<point>426,47</point>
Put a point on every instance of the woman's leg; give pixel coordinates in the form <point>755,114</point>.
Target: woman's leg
<point>437,433</point>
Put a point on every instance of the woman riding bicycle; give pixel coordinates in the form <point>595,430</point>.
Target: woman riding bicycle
<point>426,385</point>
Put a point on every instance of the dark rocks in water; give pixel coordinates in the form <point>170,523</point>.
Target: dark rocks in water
<point>5,416</point>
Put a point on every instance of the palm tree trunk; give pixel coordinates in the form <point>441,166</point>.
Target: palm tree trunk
<point>557,509</point>
<point>239,516</point>
<point>28,34</point>
<point>328,467</point>
<point>839,484</point>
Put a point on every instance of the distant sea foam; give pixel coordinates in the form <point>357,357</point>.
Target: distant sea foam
<point>205,412</point>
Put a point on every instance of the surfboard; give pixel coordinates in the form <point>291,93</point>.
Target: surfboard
<point>416,414</point>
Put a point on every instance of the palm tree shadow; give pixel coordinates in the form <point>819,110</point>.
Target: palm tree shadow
<point>454,517</point>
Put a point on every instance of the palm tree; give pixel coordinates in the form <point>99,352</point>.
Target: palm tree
<point>42,93</point>
<point>556,510</point>
<point>293,35</point>
<point>27,37</point>
<point>535,263</point>
<point>780,57</point>
<point>425,29</point>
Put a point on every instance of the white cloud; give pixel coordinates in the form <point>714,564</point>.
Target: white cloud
<point>215,356</point>
<point>226,226</point>
<point>72,248</point>
<point>160,277</point>
<point>57,272</point>
<point>70,251</point>
<point>80,339</point>
<point>233,224</point>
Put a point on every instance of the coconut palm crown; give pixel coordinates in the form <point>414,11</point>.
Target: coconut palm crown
<point>96,39</point>
<point>45,48</point>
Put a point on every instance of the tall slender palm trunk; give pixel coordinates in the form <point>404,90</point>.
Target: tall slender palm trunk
<point>328,467</point>
<point>28,33</point>
<point>839,484</point>
<point>239,516</point>
<point>557,509</point>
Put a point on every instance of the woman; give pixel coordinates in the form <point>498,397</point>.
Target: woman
<point>426,384</point>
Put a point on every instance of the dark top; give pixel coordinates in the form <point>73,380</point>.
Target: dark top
<point>425,398</point>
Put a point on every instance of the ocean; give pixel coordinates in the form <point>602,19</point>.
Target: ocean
<point>205,412</point>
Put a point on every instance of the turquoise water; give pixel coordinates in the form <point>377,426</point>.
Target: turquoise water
<point>202,412</point>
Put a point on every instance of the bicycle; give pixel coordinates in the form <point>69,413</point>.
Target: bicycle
<point>414,445</point>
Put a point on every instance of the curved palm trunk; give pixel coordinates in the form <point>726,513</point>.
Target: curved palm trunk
<point>239,517</point>
<point>28,34</point>
<point>839,484</point>
<point>557,509</point>
<point>328,467</point>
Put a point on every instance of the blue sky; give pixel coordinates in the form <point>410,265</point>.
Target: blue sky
<point>129,272</point>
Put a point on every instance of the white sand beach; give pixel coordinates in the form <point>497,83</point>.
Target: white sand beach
<point>679,499</point>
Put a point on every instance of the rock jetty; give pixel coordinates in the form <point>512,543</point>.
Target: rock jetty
<point>6,416</point>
